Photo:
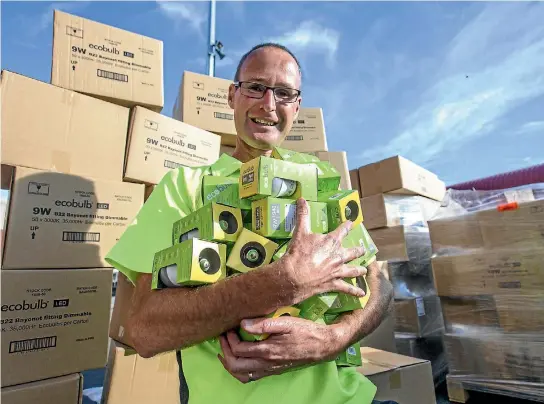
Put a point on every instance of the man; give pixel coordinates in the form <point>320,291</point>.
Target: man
<point>296,363</point>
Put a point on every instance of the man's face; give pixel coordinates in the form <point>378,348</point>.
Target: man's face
<point>263,123</point>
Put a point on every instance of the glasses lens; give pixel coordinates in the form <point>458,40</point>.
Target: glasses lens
<point>286,94</point>
<point>253,89</point>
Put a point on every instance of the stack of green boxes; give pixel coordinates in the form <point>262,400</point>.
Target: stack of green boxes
<point>247,221</point>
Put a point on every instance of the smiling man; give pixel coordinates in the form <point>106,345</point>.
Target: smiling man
<point>296,363</point>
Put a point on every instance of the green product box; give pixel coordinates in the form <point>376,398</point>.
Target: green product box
<point>282,311</point>
<point>276,217</point>
<point>190,263</point>
<point>329,318</point>
<point>328,177</point>
<point>223,190</point>
<point>213,222</point>
<point>345,303</point>
<point>358,236</point>
<point>351,356</point>
<point>265,176</point>
<point>293,156</point>
<point>314,307</point>
<point>280,252</point>
<point>342,205</point>
<point>250,251</point>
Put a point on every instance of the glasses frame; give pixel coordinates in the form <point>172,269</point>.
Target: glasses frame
<point>238,84</point>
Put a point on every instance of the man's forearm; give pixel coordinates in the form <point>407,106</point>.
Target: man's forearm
<point>173,318</point>
<point>352,327</point>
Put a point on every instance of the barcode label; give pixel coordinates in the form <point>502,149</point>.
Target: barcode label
<point>80,236</point>
<point>222,115</point>
<point>420,307</point>
<point>171,164</point>
<point>290,217</point>
<point>298,137</point>
<point>111,75</point>
<point>32,344</point>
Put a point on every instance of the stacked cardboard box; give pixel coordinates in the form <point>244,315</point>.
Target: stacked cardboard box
<point>398,198</point>
<point>487,266</point>
<point>74,182</point>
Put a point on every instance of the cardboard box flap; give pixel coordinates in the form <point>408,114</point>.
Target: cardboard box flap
<point>376,361</point>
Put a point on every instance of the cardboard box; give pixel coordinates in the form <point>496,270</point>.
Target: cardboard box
<point>49,128</point>
<point>490,272</point>
<point>121,310</point>
<point>203,102</point>
<point>469,311</point>
<point>132,379</point>
<point>383,337</point>
<point>158,144</point>
<point>385,210</point>
<point>421,316</point>
<point>520,227</point>
<point>54,322</point>
<point>340,162</point>
<point>400,176</point>
<point>402,243</point>
<point>226,149</point>
<point>494,355</point>
<point>355,181</point>
<point>58,390</point>
<point>308,132</point>
<point>396,377</point>
<point>428,348</point>
<point>107,62</point>
<point>65,221</point>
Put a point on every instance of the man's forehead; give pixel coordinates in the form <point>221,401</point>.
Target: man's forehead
<point>265,64</point>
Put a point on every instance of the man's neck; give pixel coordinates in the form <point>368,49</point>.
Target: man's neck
<point>245,152</point>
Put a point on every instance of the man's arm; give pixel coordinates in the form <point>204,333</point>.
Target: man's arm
<point>353,327</point>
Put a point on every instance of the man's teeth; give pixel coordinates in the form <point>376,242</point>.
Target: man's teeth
<point>263,122</point>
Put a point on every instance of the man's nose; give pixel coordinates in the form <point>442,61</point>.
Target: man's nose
<point>269,100</point>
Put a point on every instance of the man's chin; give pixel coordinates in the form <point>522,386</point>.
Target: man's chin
<point>263,141</point>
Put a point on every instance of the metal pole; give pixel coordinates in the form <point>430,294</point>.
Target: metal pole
<point>211,41</point>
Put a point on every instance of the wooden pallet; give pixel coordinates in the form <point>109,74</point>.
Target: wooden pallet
<point>456,391</point>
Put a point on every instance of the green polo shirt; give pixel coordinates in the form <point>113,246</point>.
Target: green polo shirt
<point>177,195</point>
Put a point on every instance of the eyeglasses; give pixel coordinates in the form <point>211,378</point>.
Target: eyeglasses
<point>257,90</point>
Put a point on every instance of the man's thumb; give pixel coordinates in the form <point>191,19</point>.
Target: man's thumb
<point>303,218</point>
<point>265,326</point>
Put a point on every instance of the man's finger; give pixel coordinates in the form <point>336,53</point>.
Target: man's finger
<point>353,253</point>
<point>302,225</point>
<point>342,231</point>
<point>265,325</point>
<point>348,288</point>
<point>352,271</point>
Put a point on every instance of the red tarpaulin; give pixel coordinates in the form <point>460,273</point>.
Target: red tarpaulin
<point>530,175</point>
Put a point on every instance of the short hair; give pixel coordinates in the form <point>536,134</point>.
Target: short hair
<point>260,46</point>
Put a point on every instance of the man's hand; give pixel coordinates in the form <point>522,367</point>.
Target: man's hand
<point>293,342</point>
<point>317,263</point>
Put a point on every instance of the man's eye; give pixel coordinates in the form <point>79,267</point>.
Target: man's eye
<point>256,88</point>
<point>283,93</point>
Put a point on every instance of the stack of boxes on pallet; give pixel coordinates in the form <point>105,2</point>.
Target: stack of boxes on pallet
<point>488,259</point>
<point>74,182</point>
<point>398,197</point>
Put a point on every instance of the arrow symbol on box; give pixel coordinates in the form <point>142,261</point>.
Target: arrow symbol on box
<point>33,235</point>
<point>145,158</point>
<point>73,68</point>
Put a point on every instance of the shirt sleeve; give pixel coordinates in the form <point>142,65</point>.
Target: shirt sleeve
<point>177,195</point>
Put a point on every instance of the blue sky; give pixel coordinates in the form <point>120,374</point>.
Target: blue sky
<point>455,87</point>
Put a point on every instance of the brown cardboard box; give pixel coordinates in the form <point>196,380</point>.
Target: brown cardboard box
<point>339,161</point>
<point>158,144</point>
<point>382,337</point>
<point>107,62</point>
<point>400,176</point>
<point>387,210</point>
<point>421,316</point>
<point>65,221</point>
<point>399,378</point>
<point>490,272</point>
<point>226,149</point>
<point>428,348</point>
<point>203,102</point>
<point>520,227</point>
<point>49,128</point>
<point>54,322</point>
<point>402,243</point>
<point>58,390</point>
<point>469,311</point>
<point>136,380</point>
<point>121,307</point>
<point>308,132</point>
<point>148,191</point>
<point>354,179</point>
<point>494,355</point>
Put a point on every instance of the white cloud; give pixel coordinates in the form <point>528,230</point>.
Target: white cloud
<point>532,127</point>
<point>37,24</point>
<point>310,36</point>
<point>195,14</point>
<point>502,53</point>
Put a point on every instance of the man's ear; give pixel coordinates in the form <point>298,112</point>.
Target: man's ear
<point>232,90</point>
<point>297,110</point>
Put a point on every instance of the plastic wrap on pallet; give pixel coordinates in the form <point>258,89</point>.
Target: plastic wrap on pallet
<point>411,279</point>
<point>430,348</point>
<point>481,354</point>
<point>420,317</point>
